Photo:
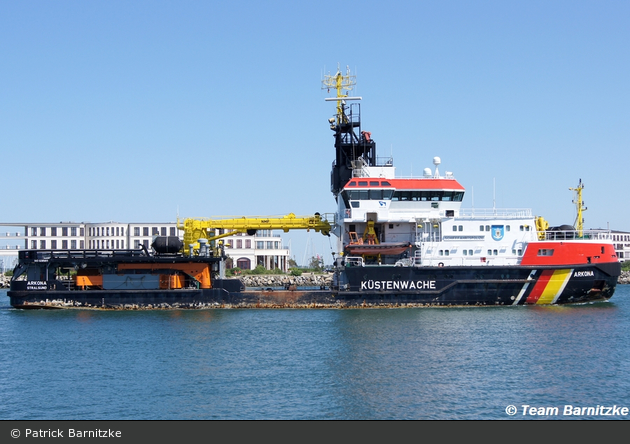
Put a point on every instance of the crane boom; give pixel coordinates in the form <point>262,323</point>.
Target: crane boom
<point>195,229</point>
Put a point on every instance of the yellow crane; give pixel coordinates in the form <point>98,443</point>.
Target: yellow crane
<point>195,229</point>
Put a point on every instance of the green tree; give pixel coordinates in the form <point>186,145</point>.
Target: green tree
<point>316,263</point>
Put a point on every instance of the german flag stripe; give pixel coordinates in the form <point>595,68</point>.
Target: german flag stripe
<point>549,286</point>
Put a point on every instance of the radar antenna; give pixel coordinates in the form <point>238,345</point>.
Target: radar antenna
<point>579,203</point>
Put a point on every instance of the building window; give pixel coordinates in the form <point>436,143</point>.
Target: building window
<point>136,231</point>
<point>173,231</point>
<point>145,231</point>
<point>33,231</point>
<point>64,244</point>
<point>81,232</point>
<point>107,231</point>
<point>73,231</point>
<point>42,231</point>
<point>260,245</point>
<point>117,244</point>
<point>122,231</point>
<point>163,231</point>
<point>239,243</point>
<point>64,231</point>
<point>122,244</point>
<point>42,244</point>
<point>53,231</point>
<point>73,244</point>
<point>145,243</point>
<point>155,231</point>
<point>53,244</point>
<point>81,245</point>
<point>33,244</point>
<point>136,244</point>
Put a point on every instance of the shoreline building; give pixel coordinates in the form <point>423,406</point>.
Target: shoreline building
<point>246,251</point>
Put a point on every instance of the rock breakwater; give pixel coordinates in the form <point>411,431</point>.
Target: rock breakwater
<point>288,281</point>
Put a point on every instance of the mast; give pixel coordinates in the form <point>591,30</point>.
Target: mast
<point>353,148</point>
<point>340,83</point>
<point>579,203</point>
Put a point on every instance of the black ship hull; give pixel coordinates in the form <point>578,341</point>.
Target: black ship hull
<point>378,286</point>
<point>466,286</point>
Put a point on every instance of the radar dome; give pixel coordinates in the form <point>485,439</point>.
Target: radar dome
<point>436,161</point>
<point>427,172</point>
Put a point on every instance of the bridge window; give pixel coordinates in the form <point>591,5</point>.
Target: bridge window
<point>545,252</point>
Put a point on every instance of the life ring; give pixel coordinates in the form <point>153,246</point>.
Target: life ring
<point>441,264</point>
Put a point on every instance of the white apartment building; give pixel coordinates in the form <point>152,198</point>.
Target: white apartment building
<point>264,248</point>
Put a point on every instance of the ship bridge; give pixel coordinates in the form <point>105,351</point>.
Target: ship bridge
<point>400,199</point>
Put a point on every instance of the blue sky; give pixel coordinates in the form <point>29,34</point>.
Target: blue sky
<point>138,111</point>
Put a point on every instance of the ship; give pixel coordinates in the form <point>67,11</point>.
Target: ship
<point>401,242</point>
<point>409,241</point>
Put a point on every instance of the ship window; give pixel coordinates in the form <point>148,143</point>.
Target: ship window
<point>376,194</point>
<point>461,228</point>
<point>507,228</point>
<point>545,252</point>
<point>441,253</point>
<point>446,252</point>
<point>387,194</point>
<point>470,252</point>
<point>355,204</point>
<point>386,184</point>
<point>487,227</point>
<point>374,183</point>
<point>363,183</point>
<point>454,227</point>
<point>435,205</point>
<point>465,252</point>
<point>495,252</point>
<point>352,184</point>
<point>480,227</point>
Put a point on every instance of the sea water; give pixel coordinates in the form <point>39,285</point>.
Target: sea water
<point>321,364</point>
